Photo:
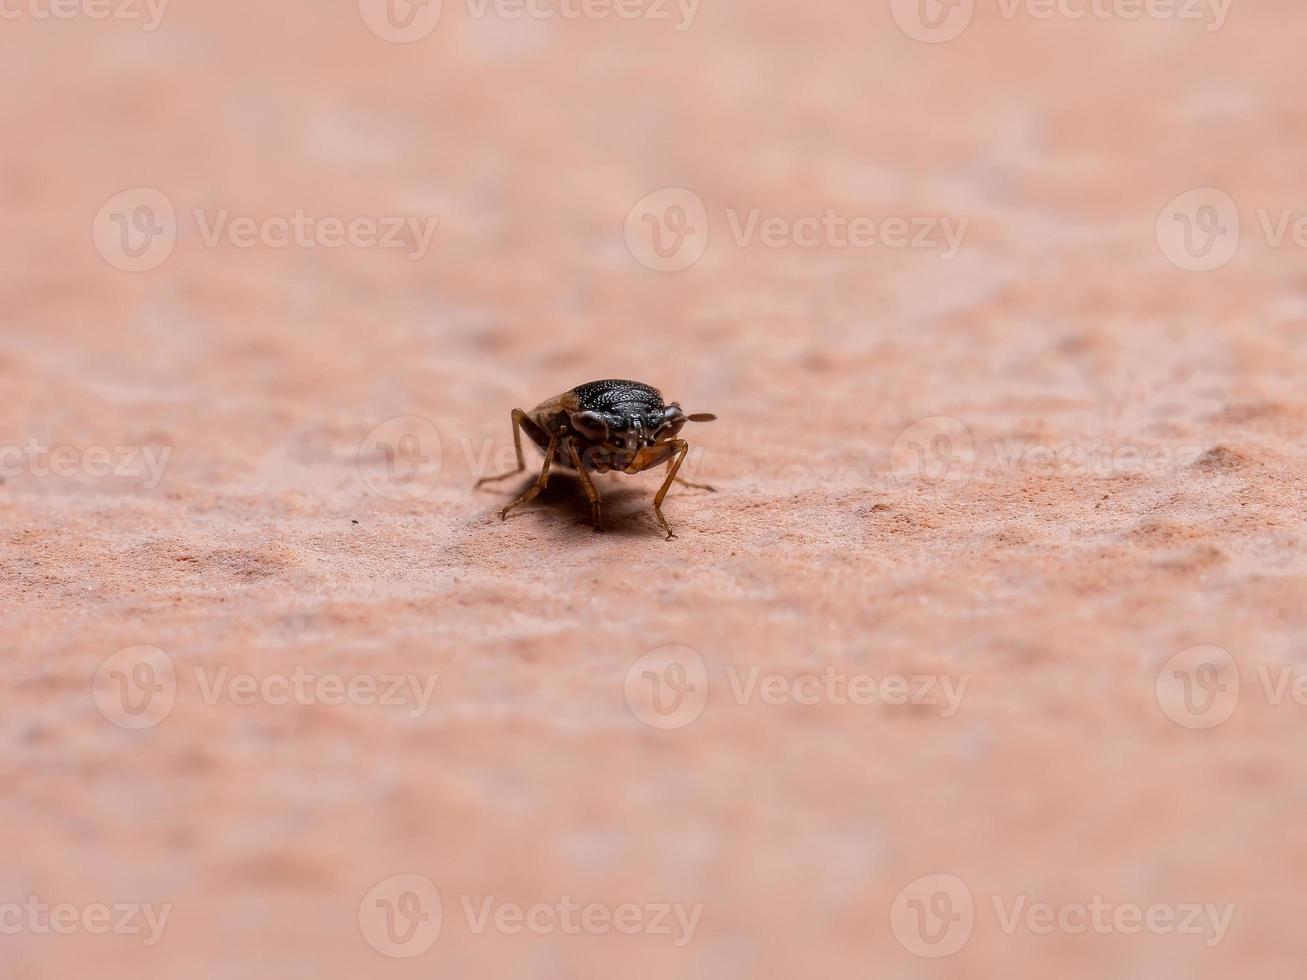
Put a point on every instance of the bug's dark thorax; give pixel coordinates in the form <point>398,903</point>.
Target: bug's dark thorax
<point>600,396</point>
<point>624,397</point>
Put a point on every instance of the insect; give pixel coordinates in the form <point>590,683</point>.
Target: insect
<point>622,426</point>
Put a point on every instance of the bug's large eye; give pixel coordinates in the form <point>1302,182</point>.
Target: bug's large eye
<point>673,420</point>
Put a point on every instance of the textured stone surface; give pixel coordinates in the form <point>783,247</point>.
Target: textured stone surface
<point>1056,581</point>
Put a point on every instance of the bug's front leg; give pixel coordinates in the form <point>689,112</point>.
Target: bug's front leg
<point>587,484</point>
<point>541,483</point>
<point>680,447</point>
<point>519,419</point>
<point>687,483</point>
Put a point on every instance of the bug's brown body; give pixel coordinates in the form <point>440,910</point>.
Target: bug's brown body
<point>604,426</point>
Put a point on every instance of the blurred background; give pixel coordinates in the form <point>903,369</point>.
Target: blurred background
<point>981,661</point>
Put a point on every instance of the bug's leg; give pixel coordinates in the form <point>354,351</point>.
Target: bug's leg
<point>681,448</point>
<point>587,484</point>
<point>518,417</point>
<point>541,483</point>
<point>687,483</point>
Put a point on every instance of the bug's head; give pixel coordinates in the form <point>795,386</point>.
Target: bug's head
<point>625,432</point>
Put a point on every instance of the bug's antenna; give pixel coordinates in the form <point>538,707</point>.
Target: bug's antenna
<point>702,417</point>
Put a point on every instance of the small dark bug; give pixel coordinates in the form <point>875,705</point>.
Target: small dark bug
<point>602,426</point>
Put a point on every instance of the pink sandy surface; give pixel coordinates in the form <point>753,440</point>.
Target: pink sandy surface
<point>1054,590</point>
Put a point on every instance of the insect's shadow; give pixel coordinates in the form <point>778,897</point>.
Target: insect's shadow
<point>626,509</point>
